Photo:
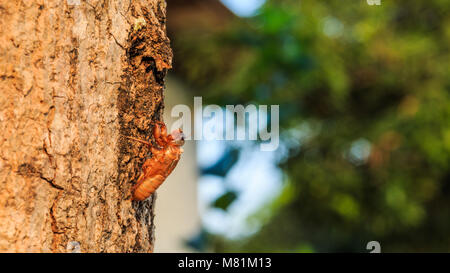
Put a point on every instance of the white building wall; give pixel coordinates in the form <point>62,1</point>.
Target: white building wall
<point>176,212</point>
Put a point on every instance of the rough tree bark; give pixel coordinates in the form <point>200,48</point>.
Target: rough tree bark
<point>75,78</point>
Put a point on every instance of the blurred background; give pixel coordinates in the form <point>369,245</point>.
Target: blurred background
<point>364,127</point>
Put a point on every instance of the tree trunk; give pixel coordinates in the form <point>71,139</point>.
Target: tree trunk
<point>75,78</point>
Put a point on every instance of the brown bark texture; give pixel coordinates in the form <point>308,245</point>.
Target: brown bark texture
<point>76,77</point>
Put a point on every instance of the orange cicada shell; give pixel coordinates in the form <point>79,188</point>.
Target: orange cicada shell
<point>164,159</point>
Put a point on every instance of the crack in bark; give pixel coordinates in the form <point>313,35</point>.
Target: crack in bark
<point>29,170</point>
<point>53,223</point>
<point>117,41</point>
<point>51,183</point>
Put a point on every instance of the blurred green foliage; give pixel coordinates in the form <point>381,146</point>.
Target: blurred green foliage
<point>364,116</point>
